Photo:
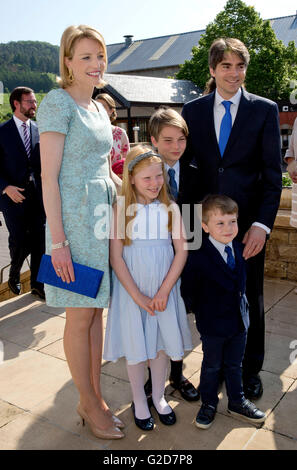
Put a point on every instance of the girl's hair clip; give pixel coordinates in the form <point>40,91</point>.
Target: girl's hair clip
<point>140,157</point>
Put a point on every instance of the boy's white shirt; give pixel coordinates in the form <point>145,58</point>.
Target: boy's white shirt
<point>221,247</point>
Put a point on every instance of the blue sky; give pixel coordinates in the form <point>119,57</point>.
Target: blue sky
<point>45,20</point>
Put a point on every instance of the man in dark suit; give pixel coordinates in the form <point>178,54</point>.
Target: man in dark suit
<point>20,189</point>
<point>234,142</point>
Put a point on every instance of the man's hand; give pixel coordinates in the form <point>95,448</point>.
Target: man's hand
<point>254,241</point>
<point>14,193</point>
<point>292,170</point>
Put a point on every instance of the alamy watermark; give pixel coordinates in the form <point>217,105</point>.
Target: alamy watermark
<point>151,228</point>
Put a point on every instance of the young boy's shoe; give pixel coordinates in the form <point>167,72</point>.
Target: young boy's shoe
<point>248,411</point>
<point>205,416</point>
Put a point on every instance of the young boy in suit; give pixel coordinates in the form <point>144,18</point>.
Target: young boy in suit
<point>169,131</point>
<point>213,287</point>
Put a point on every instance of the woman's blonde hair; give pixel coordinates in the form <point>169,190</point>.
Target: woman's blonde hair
<point>110,103</point>
<point>71,35</point>
<point>128,190</point>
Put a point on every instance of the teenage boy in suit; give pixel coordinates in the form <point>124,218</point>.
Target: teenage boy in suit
<point>169,132</point>
<point>234,141</point>
<point>213,287</point>
<point>20,189</point>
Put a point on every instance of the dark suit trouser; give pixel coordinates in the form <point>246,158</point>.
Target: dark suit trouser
<point>255,348</point>
<point>26,226</point>
<point>222,353</point>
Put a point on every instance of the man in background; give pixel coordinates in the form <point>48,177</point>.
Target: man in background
<point>20,189</point>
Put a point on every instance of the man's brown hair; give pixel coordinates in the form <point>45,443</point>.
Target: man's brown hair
<point>216,55</point>
<point>17,93</point>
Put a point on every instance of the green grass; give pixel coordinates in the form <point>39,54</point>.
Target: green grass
<point>5,109</point>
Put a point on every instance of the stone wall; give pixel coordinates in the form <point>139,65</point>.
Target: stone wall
<point>5,292</point>
<point>281,251</point>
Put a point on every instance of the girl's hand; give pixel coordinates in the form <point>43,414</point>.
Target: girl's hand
<point>62,262</point>
<point>159,302</point>
<point>145,302</point>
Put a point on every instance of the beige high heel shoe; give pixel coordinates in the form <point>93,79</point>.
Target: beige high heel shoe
<point>111,433</point>
<point>116,421</point>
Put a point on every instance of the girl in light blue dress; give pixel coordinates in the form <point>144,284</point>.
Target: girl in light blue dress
<point>147,318</point>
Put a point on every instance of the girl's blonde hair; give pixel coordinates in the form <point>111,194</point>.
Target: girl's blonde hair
<point>128,190</point>
<point>71,35</point>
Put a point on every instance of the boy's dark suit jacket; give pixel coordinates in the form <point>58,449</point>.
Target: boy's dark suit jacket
<point>15,167</point>
<point>186,196</point>
<point>250,170</point>
<point>214,292</point>
<point>187,178</point>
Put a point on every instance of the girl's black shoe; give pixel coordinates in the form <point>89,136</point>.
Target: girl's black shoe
<point>144,424</point>
<point>167,419</point>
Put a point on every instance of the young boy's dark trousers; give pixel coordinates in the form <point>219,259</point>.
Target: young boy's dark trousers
<point>222,353</point>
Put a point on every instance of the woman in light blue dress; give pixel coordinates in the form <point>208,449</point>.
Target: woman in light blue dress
<point>78,190</point>
<point>147,318</point>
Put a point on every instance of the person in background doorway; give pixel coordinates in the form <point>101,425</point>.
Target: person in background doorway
<point>121,145</point>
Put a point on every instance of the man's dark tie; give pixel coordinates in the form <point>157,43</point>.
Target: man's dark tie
<point>226,126</point>
<point>27,142</point>
<point>172,183</point>
<point>230,257</point>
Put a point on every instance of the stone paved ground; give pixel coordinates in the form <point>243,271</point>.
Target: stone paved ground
<point>38,398</point>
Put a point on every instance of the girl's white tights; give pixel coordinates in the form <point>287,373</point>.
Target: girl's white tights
<point>159,373</point>
<point>136,373</point>
<point>136,377</point>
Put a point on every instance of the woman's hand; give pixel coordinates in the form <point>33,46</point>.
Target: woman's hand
<point>145,302</point>
<point>62,262</point>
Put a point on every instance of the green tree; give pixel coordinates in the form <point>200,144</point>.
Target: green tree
<point>272,65</point>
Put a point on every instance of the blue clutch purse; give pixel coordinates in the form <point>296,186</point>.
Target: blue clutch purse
<point>87,280</point>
